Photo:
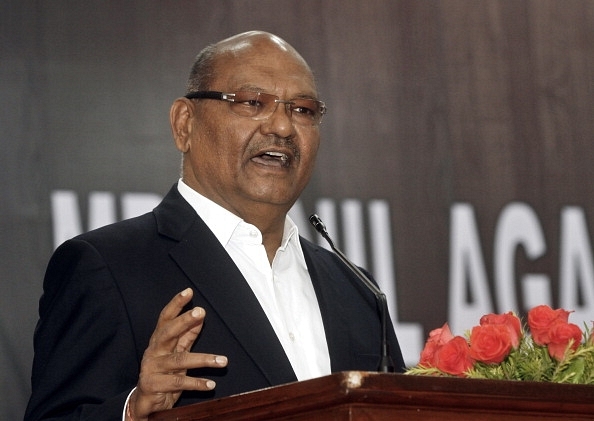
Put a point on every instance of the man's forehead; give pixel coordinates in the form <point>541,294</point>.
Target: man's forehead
<point>257,76</point>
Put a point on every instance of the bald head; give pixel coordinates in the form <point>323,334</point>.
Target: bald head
<point>233,48</point>
<point>247,41</point>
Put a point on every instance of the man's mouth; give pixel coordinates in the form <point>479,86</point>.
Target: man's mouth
<point>273,158</point>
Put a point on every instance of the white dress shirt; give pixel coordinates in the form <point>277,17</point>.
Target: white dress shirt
<point>284,289</point>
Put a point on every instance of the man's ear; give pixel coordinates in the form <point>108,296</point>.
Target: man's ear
<point>180,117</point>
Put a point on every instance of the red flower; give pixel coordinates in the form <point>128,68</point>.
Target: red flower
<point>454,357</point>
<point>490,343</point>
<point>446,352</point>
<point>541,319</point>
<point>428,354</point>
<point>442,335</point>
<point>437,338</point>
<point>561,334</point>
<point>509,320</point>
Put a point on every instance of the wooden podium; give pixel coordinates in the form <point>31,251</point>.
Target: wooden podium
<point>355,395</point>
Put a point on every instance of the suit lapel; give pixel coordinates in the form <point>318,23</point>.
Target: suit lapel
<point>206,263</point>
<point>329,293</point>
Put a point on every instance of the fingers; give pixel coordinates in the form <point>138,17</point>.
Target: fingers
<point>173,308</point>
<point>165,362</point>
<point>179,362</point>
<point>168,351</point>
<point>162,380</point>
<point>167,374</point>
<point>175,332</point>
<point>158,392</point>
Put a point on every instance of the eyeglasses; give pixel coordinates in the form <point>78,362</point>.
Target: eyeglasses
<point>260,106</point>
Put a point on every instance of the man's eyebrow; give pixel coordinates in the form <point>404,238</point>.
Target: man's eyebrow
<point>306,96</point>
<point>251,88</point>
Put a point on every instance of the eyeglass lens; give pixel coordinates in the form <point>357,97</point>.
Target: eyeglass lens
<point>259,105</point>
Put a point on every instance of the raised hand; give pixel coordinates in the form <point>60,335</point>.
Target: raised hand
<point>167,359</point>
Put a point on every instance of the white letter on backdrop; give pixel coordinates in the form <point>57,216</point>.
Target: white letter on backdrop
<point>469,291</point>
<point>518,225</point>
<point>576,268</point>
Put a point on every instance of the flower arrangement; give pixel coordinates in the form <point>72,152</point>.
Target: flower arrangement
<point>553,350</point>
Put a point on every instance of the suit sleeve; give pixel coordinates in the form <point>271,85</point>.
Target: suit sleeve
<point>85,360</point>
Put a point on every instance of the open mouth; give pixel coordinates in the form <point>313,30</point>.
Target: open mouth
<point>273,158</point>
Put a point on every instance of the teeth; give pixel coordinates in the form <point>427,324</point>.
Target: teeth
<point>283,157</point>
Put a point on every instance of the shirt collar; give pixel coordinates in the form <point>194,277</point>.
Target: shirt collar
<point>223,223</point>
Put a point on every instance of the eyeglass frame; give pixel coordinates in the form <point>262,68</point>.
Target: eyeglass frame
<point>230,97</point>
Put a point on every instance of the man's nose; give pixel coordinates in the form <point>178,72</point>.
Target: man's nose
<point>280,122</point>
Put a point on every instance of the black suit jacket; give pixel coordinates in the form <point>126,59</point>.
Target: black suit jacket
<point>103,292</point>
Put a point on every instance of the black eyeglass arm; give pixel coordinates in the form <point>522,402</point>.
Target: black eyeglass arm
<point>205,95</point>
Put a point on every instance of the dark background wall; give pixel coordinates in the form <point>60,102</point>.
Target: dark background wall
<point>433,104</point>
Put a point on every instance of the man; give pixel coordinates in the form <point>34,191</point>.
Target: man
<point>254,305</point>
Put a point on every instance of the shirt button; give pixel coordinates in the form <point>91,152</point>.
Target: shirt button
<point>253,233</point>
<point>292,336</point>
